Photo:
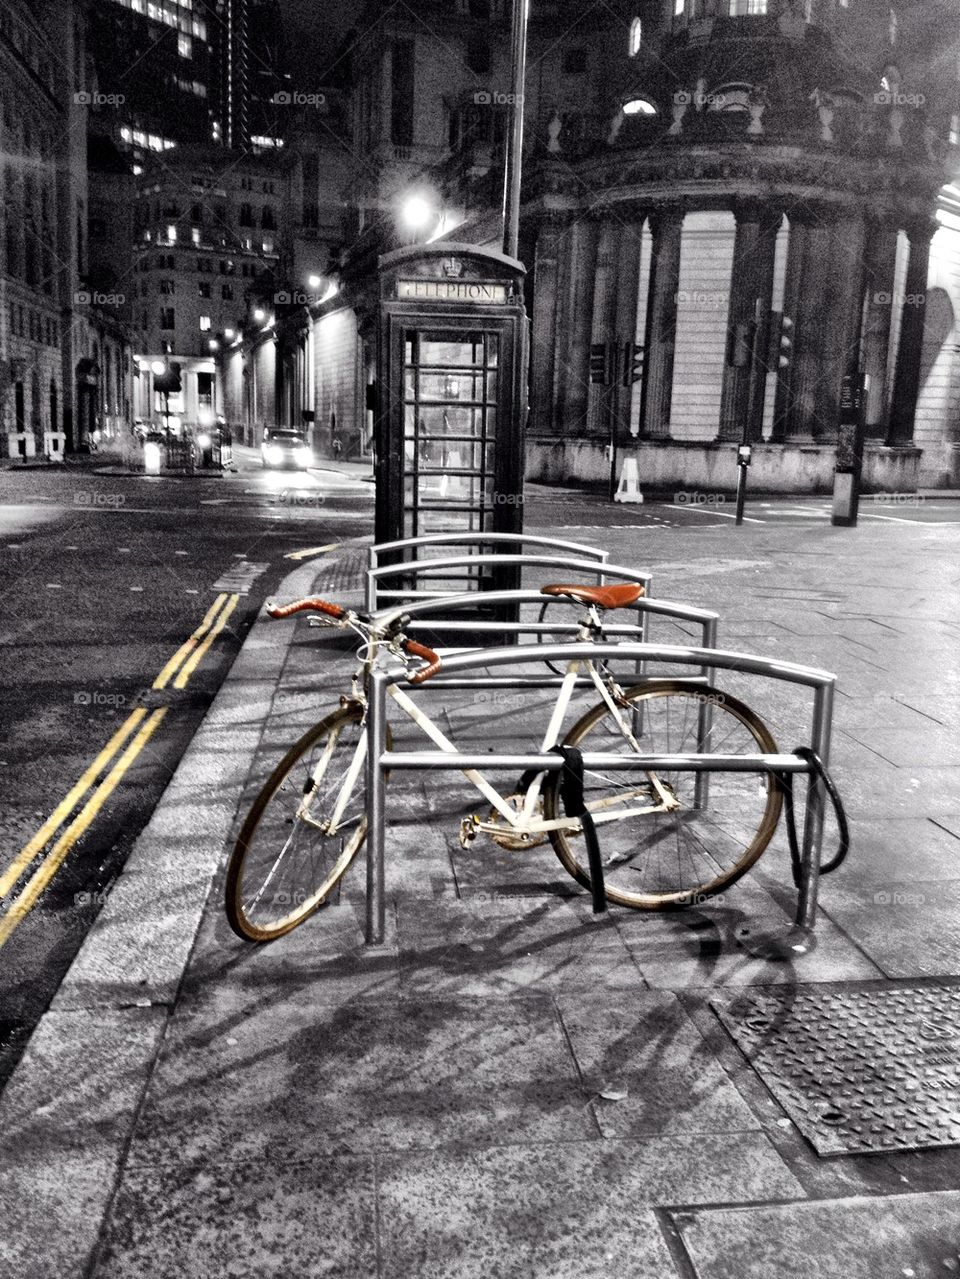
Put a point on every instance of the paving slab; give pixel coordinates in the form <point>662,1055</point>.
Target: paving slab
<point>655,1067</point>
<point>65,1117</point>
<point>247,1071</point>
<point>271,1219</point>
<point>574,1210</point>
<point>497,945</point>
<point>895,1235</point>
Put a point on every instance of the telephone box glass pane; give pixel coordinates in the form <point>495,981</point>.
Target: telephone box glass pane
<point>450,423</point>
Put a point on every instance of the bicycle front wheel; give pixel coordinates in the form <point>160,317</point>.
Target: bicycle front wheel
<point>302,832</point>
<point>671,840</point>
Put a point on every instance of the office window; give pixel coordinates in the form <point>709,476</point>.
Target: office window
<point>204,324</point>
<point>226,292</point>
<point>167,319</point>
<point>636,37</point>
<point>203,288</point>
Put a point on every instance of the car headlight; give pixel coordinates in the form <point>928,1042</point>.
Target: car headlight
<point>273,454</point>
<point>204,440</point>
<point>303,455</point>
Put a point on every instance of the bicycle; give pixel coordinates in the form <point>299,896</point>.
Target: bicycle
<point>671,839</point>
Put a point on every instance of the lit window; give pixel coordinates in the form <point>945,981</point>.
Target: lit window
<point>954,130</point>
<point>636,37</point>
<point>678,8</point>
<point>171,234</point>
<point>195,234</point>
<point>204,324</point>
<point>184,46</point>
<point>747,8</point>
<point>894,26</point>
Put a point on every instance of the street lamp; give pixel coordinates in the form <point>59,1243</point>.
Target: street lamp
<point>157,368</point>
<point>419,213</point>
<point>259,314</point>
<point>314,281</point>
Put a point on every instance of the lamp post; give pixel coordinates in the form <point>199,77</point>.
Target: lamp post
<point>511,192</point>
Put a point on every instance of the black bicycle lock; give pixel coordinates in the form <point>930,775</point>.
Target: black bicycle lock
<point>571,795</point>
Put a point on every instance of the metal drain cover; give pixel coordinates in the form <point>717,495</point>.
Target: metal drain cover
<point>856,1070</point>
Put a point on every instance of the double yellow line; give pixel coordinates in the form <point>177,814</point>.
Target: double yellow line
<point>130,739</point>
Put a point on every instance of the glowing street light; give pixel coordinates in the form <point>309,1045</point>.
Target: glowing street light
<point>314,281</point>
<point>229,333</point>
<point>417,212</point>
<point>158,367</point>
<point>259,314</point>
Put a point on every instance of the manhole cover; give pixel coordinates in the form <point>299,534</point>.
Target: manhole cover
<point>857,1070</point>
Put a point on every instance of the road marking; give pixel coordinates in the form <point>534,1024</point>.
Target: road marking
<point>240,578</point>
<point>187,647</point>
<point>69,802</point>
<point>181,552</point>
<point>136,588</point>
<point>80,824</point>
<point>724,515</point>
<point>144,731</point>
<point>54,586</point>
<point>192,663</point>
<point>312,550</point>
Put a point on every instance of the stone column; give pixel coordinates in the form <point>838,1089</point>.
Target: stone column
<point>543,329</point>
<point>751,283</point>
<point>906,382</point>
<point>628,290</point>
<point>604,317</point>
<point>575,327</point>
<point>667,226</point>
<point>842,320</point>
<point>800,408</point>
<point>881,266</point>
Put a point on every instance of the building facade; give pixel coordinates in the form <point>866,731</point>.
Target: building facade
<point>208,229</point>
<point>54,327</point>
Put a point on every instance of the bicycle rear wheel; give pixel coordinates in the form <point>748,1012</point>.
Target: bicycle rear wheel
<point>664,860</point>
<point>286,863</point>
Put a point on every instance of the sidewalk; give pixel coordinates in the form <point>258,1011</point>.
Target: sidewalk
<point>194,1106</point>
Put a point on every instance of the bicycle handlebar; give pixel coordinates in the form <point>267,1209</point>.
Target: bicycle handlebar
<point>429,656</point>
<point>312,604</point>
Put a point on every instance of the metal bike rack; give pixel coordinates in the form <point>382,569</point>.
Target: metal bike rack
<point>594,568</point>
<point>423,609</point>
<point>380,760</point>
<point>380,549</point>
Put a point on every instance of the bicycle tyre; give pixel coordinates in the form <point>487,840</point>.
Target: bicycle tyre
<point>262,904</point>
<point>652,845</point>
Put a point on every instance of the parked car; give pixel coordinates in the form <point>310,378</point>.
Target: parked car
<point>285,447</point>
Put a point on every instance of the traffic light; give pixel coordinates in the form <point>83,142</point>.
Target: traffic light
<point>785,352</point>
<point>600,371</point>
<point>632,363</point>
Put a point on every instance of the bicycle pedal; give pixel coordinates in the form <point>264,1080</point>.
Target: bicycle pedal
<point>469,827</point>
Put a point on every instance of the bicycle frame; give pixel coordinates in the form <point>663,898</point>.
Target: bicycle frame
<point>522,821</point>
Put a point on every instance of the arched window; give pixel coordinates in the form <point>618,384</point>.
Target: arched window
<point>729,97</point>
<point>636,37</point>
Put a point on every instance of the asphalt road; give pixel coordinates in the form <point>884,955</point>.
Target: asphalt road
<point>102,580</point>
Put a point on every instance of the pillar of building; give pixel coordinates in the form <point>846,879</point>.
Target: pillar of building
<point>661,328</point>
<point>881,266</point>
<point>628,291</point>
<point>799,407</point>
<point>906,382</point>
<point>544,342</point>
<point>575,327</point>
<point>748,321</point>
<point>841,330</point>
<point>605,284</point>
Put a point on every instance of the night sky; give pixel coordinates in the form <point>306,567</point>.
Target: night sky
<point>314,29</point>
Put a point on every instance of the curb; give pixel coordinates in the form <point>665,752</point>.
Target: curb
<point>69,1108</point>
